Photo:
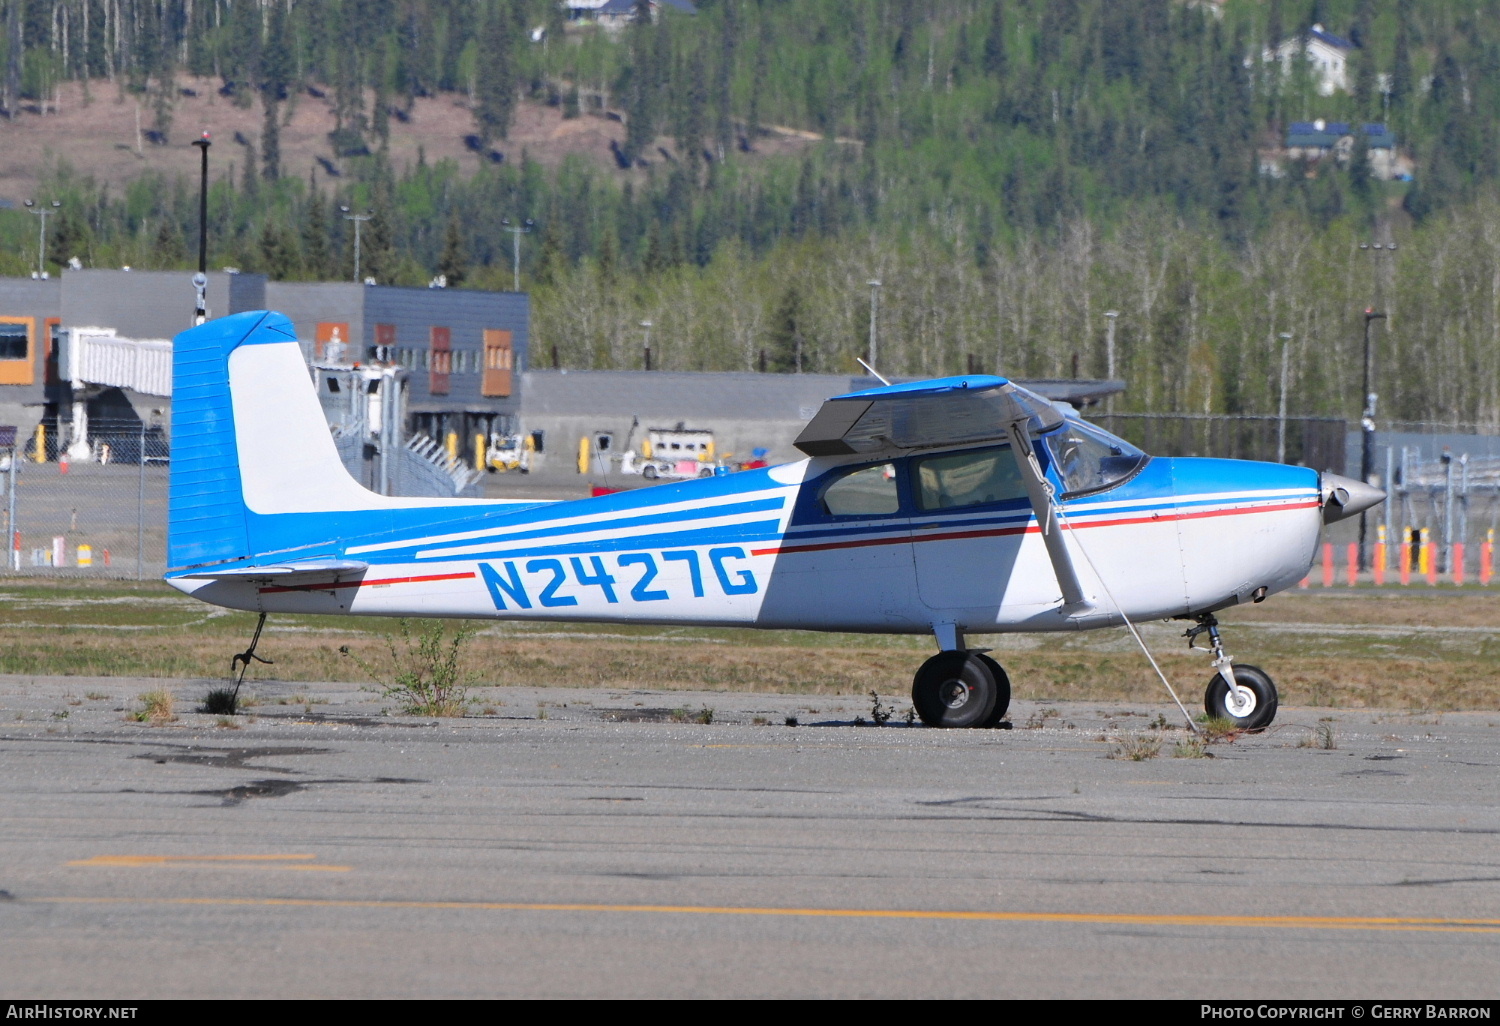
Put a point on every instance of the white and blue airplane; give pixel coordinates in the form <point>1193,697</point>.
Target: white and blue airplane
<point>956,506</point>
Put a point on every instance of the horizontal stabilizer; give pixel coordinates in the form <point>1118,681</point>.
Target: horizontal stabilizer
<point>290,571</point>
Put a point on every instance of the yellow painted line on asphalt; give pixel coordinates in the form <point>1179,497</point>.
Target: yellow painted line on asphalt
<point>300,862</point>
<point>1083,918</point>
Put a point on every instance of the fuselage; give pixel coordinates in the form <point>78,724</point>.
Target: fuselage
<point>891,545</point>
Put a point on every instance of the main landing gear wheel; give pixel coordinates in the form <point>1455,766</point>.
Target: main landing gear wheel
<point>960,689</point>
<point>1252,704</point>
<point>1002,689</point>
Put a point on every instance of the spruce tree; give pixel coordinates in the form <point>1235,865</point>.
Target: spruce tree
<point>251,181</point>
<point>317,256</point>
<point>278,252</point>
<point>549,259</point>
<point>454,264</point>
<point>1401,69</point>
<point>995,53</point>
<point>169,250</point>
<point>787,334</point>
<point>270,154</point>
<point>646,73</point>
<point>496,76</point>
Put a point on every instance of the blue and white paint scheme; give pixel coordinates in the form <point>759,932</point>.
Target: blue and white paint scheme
<point>946,507</point>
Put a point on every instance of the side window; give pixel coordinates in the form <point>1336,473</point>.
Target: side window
<point>968,479</point>
<point>869,491</point>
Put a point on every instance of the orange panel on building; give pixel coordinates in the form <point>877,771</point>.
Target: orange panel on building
<point>499,362</point>
<point>17,350</point>
<point>442,361</point>
<point>329,331</point>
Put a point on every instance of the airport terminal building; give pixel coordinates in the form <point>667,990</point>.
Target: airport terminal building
<point>463,350</point>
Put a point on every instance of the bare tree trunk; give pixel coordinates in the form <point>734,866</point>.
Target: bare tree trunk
<point>15,41</point>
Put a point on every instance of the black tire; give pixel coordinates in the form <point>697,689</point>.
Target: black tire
<point>648,472</point>
<point>955,689</point>
<point>1262,708</point>
<point>706,472</point>
<point>1002,689</point>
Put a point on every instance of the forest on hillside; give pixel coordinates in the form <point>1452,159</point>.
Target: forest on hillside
<point>1008,169</point>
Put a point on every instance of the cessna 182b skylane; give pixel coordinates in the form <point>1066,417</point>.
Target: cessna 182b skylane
<point>960,505</point>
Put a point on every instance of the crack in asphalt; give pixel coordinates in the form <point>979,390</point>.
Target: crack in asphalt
<point>274,787</point>
<point>1452,880</point>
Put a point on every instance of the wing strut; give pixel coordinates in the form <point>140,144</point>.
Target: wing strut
<point>1039,490</point>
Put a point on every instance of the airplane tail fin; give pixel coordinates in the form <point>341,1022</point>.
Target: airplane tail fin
<point>251,445</point>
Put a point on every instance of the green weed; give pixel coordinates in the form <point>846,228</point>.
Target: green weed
<point>1191,748</point>
<point>1137,747</point>
<point>156,708</point>
<point>425,671</point>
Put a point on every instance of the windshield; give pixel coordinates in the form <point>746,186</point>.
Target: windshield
<point>1090,459</point>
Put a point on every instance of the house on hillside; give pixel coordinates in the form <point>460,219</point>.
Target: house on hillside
<point>1327,53</point>
<point>616,14</point>
<point>1317,140</point>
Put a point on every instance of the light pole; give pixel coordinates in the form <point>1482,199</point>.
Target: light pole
<point>358,219</point>
<point>41,238</point>
<point>646,351</point>
<point>200,280</point>
<point>874,284</point>
<point>1367,427</point>
<point>1110,317</point>
<point>516,231</point>
<point>1286,346</point>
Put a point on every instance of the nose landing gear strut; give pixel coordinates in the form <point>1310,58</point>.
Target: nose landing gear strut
<point>1250,703</point>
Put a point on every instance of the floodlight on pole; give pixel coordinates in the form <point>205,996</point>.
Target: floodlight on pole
<point>1367,427</point>
<point>1286,345</point>
<point>874,284</point>
<point>43,212</point>
<point>646,351</point>
<point>516,231</point>
<point>358,219</point>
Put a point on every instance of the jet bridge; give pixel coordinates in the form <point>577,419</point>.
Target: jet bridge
<point>92,359</point>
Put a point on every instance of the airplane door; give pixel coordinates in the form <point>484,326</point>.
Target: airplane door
<point>846,559</point>
<point>969,541</point>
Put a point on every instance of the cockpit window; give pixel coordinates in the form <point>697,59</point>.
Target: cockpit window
<point>1090,459</point>
<point>869,491</point>
<point>968,479</point>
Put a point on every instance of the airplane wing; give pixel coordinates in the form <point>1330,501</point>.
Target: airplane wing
<point>289,572</point>
<point>899,419</point>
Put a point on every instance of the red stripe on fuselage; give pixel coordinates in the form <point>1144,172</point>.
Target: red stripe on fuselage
<point>999,532</point>
<point>331,585</point>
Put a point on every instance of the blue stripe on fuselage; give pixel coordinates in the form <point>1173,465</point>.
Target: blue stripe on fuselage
<point>290,536</point>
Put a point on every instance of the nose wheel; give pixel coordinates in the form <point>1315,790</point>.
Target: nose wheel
<point>1250,706</point>
<point>1251,703</point>
<point>961,689</point>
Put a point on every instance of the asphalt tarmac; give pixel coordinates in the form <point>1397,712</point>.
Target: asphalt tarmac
<point>568,843</point>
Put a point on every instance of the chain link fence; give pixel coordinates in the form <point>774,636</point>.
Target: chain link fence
<point>1451,501</point>
<point>104,516</point>
<point>102,512</point>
